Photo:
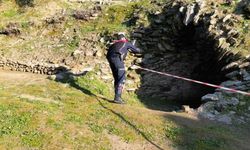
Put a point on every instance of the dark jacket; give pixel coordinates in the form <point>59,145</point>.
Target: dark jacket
<point>120,49</point>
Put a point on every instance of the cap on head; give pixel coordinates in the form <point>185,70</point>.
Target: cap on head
<point>121,35</point>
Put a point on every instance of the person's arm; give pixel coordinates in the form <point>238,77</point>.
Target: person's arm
<point>133,48</point>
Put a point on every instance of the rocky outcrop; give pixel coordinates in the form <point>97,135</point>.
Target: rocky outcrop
<point>195,41</point>
<point>221,102</point>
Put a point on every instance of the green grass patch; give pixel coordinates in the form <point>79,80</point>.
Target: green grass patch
<point>32,138</point>
<point>12,122</point>
<point>9,13</point>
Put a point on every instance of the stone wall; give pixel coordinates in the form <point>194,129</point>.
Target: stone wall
<point>33,67</point>
<point>101,1</point>
<point>195,41</point>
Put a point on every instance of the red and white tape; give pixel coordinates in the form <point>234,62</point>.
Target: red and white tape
<point>194,81</point>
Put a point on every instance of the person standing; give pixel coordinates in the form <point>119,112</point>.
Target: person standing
<point>116,55</point>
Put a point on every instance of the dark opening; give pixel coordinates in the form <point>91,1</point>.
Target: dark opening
<point>207,67</point>
<point>194,57</point>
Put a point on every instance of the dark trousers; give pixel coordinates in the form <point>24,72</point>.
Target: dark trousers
<point>119,74</point>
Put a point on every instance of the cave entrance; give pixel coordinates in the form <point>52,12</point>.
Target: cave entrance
<point>205,63</point>
<point>193,57</point>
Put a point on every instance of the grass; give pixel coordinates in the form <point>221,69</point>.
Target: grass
<point>32,23</point>
<point>197,141</point>
<point>83,120</point>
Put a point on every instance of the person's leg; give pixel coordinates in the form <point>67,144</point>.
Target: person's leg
<point>120,80</point>
<point>114,72</point>
<point>118,70</point>
<point>113,69</point>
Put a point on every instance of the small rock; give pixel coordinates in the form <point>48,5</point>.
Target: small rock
<point>232,75</point>
<point>88,53</point>
<point>242,103</point>
<point>224,119</point>
<point>98,54</point>
<point>223,43</point>
<point>216,112</point>
<point>102,40</point>
<point>233,101</point>
<point>227,18</point>
<point>182,9</point>
<point>161,47</point>
<point>168,47</point>
<point>231,65</point>
<point>247,115</point>
<point>138,60</point>
<point>185,108</point>
<point>82,15</point>
<point>249,108</point>
<point>233,33</point>
<point>98,73</point>
<point>76,52</point>
<point>158,21</point>
<point>209,115</point>
<point>137,35</point>
<point>231,83</point>
<point>130,82</point>
<point>232,112</point>
<point>210,97</point>
<point>213,21</point>
<point>247,78</point>
<point>246,64</point>
<point>189,14</point>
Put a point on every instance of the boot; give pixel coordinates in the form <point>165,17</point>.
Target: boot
<point>119,100</point>
<point>118,94</point>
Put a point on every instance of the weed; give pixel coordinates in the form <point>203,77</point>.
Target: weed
<point>10,13</point>
<point>55,124</point>
<point>75,118</point>
<point>12,122</point>
<point>32,138</point>
<point>95,127</point>
<point>74,43</point>
<point>172,132</point>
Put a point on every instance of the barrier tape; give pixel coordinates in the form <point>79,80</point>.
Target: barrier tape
<point>195,81</point>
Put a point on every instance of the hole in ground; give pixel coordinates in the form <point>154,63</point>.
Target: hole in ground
<point>191,57</point>
<point>206,67</point>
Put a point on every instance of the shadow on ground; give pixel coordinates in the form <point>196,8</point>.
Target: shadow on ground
<point>101,99</point>
<point>187,132</point>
